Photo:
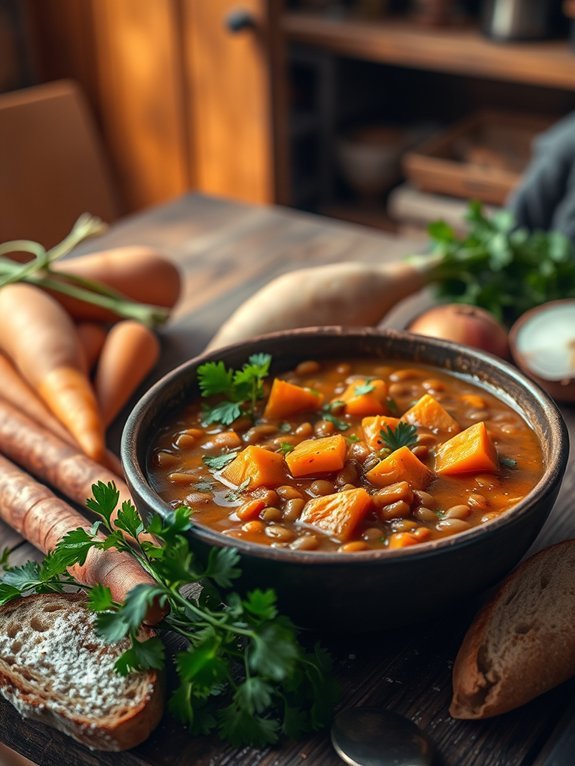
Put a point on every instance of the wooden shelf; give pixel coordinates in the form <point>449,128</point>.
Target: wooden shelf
<point>455,50</point>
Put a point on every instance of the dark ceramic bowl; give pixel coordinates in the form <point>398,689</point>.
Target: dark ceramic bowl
<point>372,589</point>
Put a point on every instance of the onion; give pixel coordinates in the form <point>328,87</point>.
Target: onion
<point>542,344</point>
<point>468,325</point>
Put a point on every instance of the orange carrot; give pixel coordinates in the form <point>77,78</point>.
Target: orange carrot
<point>287,399</point>
<point>138,273</point>
<point>317,456</point>
<point>92,336</point>
<point>15,391</point>
<point>429,413</point>
<point>365,396</point>
<point>128,355</point>
<point>262,467</point>
<point>470,451</point>
<point>43,519</point>
<point>401,465</point>
<point>42,341</point>
<point>53,460</point>
<point>338,514</point>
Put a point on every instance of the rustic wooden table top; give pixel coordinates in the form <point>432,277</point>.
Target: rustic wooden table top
<point>226,251</point>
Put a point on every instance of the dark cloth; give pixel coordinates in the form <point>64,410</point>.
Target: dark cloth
<point>545,199</point>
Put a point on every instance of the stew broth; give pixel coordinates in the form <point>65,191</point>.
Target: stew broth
<point>352,455</point>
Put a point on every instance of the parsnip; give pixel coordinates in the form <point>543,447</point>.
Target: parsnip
<point>352,294</point>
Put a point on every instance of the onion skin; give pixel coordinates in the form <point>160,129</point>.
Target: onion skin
<point>468,325</point>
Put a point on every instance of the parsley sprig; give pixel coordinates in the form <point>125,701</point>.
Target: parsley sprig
<point>403,435</point>
<point>239,389</point>
<point>242,673</point>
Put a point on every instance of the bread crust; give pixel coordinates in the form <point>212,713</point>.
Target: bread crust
<point>130,721</point>
<point>522,641</point>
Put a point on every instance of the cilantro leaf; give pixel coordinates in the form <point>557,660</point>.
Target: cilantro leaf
<point>261,603</point>
<point>128,519</point>
<point>104,500</point>
<point>8,593</point>
<point>403,435</point>
<point>217,462</point>
<point>214,378</point>
<point>142,655</point>
<point>100,598</point>
<point>222,566</point>
<point>239,389</point>
<point>285,448</point>
<point>364,388</point>
<point>240,728</point>
<point>274,651</point>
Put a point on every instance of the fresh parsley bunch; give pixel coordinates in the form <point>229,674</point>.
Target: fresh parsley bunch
<point>242,674</point>
<point>499,266</point>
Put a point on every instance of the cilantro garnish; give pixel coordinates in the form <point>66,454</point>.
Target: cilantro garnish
<point>285,448</point>
<point>364,388</point>
<point>235,494</point>
<point>403,435</point>
<point>508,462</point>
<point>327,414</point>
<point>217,462</point>
<point>241,671</point>
<point>239,389</point>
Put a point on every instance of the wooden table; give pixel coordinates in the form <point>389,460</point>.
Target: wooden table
<point>227,250</point>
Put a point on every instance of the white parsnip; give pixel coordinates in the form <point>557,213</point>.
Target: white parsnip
<point>351,294</point>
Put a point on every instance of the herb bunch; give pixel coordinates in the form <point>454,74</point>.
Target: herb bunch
<point>239,390</point>
<point>38,272</point>
<point>499,266</point>
<point>243,673</point>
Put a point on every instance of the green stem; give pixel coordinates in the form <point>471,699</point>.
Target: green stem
<point>207,617</point>
<point>150,315</point>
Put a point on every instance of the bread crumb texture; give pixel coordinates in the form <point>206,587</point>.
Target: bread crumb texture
<point>522,643</point>
<point>55,668</point>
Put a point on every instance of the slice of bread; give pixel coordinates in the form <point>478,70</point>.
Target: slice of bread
<point>56,669</point>
<point>522,643</point>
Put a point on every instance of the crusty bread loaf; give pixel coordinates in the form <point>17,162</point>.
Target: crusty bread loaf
<point>522,642</point>
<point>56,669</point>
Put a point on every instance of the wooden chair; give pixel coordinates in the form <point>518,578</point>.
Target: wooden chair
<point>52,164</point>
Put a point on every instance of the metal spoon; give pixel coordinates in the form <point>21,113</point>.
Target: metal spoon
<point>364,736</point>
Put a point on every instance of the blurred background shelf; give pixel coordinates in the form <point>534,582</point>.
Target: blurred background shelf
<point>269,101</point>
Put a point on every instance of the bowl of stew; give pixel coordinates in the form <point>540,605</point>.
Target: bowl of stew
<point>373,478</point>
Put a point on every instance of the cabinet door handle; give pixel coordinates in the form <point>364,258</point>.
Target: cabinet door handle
<point>239,20</point>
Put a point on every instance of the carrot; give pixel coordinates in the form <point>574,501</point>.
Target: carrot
<point>287,399</point>
<point>258,465</point>
<point>429,413</point>
<point>15,391</point>
<point>373,426</point>
<point>138,273</point>
<point>401,465</point>
<point>353,294</point>
<point>469,451</point>
<point>92,336</point>
<point>338,514</point>
<point>42,341</point>
<point>59,464</point>
<point>43,519</point>
<point>317,456</point>
<point>365,397</point>
<point>128,355</point>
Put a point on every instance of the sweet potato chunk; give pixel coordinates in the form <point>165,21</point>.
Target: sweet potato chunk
<point>317,456</point>
<point>262,467</point>
<point>401,465</point>
<point>470,451</point>
<point>365,396</point>
<point>287,399</point>
<point>372,426</point>
<point>339,514</point>
<point>427,412</point>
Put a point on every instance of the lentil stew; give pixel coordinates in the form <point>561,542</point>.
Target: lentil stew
<point>350,455</point>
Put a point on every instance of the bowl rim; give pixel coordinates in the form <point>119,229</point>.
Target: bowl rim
<point>551,478</point>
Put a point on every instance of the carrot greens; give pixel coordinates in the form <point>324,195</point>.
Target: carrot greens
<point>242,672</point>
<point>38,272</point>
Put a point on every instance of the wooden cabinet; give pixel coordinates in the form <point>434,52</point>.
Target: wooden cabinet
<point>182,90</point>
<point>206,94</point>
